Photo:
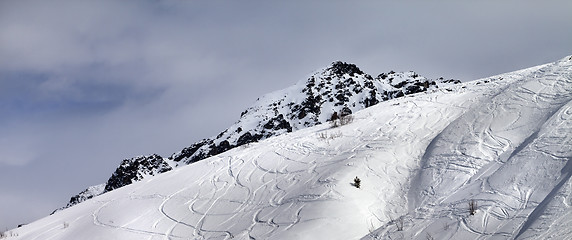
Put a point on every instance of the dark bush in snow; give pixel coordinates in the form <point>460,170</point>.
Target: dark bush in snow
<point>357,182</point>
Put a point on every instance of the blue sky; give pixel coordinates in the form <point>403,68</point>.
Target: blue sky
<point>85,84</point>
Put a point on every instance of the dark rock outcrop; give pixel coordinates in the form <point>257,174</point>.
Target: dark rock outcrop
<point>134,169</point>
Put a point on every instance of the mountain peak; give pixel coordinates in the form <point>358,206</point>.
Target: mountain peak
<point>340,68</point>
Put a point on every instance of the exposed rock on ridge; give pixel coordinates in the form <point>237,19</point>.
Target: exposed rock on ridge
<point>135,169</point>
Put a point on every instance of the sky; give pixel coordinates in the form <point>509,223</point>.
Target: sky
<point>85,84</point>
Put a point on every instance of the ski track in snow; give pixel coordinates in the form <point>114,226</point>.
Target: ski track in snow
<point>489,148</point>
<point>421,160</point>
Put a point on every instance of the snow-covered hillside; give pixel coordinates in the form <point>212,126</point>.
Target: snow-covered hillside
<point>341,87</point>
<point>502,143</point>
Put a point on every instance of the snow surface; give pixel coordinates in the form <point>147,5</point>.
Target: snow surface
<point>503,142</point>
<point>340,88</point>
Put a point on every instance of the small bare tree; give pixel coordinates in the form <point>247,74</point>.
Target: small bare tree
<point>346,119</point>
<point>472,207</point>
<point>335,123</point>
<point>323,136</point>
<point>399,223</point>
<point>339,119</point>
<point>429,237</point>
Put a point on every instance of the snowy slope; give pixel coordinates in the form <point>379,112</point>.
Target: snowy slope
<point>503,142</point>
<point>341,87</point>
<point>511,156</point>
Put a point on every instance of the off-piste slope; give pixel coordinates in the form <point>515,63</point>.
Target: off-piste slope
<point>503,141</point>
<point>510,157</point>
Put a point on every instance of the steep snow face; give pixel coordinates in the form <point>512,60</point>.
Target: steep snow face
<point>341,88</point>
<point>502,143</point>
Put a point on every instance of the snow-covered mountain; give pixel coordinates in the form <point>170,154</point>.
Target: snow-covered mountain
<point>487,159</point>
<point>341,88</point>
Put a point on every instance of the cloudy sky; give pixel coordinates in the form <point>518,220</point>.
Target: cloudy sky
<point>85,84</point>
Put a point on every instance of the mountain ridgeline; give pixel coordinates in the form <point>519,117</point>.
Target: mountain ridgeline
<point>340,88</point>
